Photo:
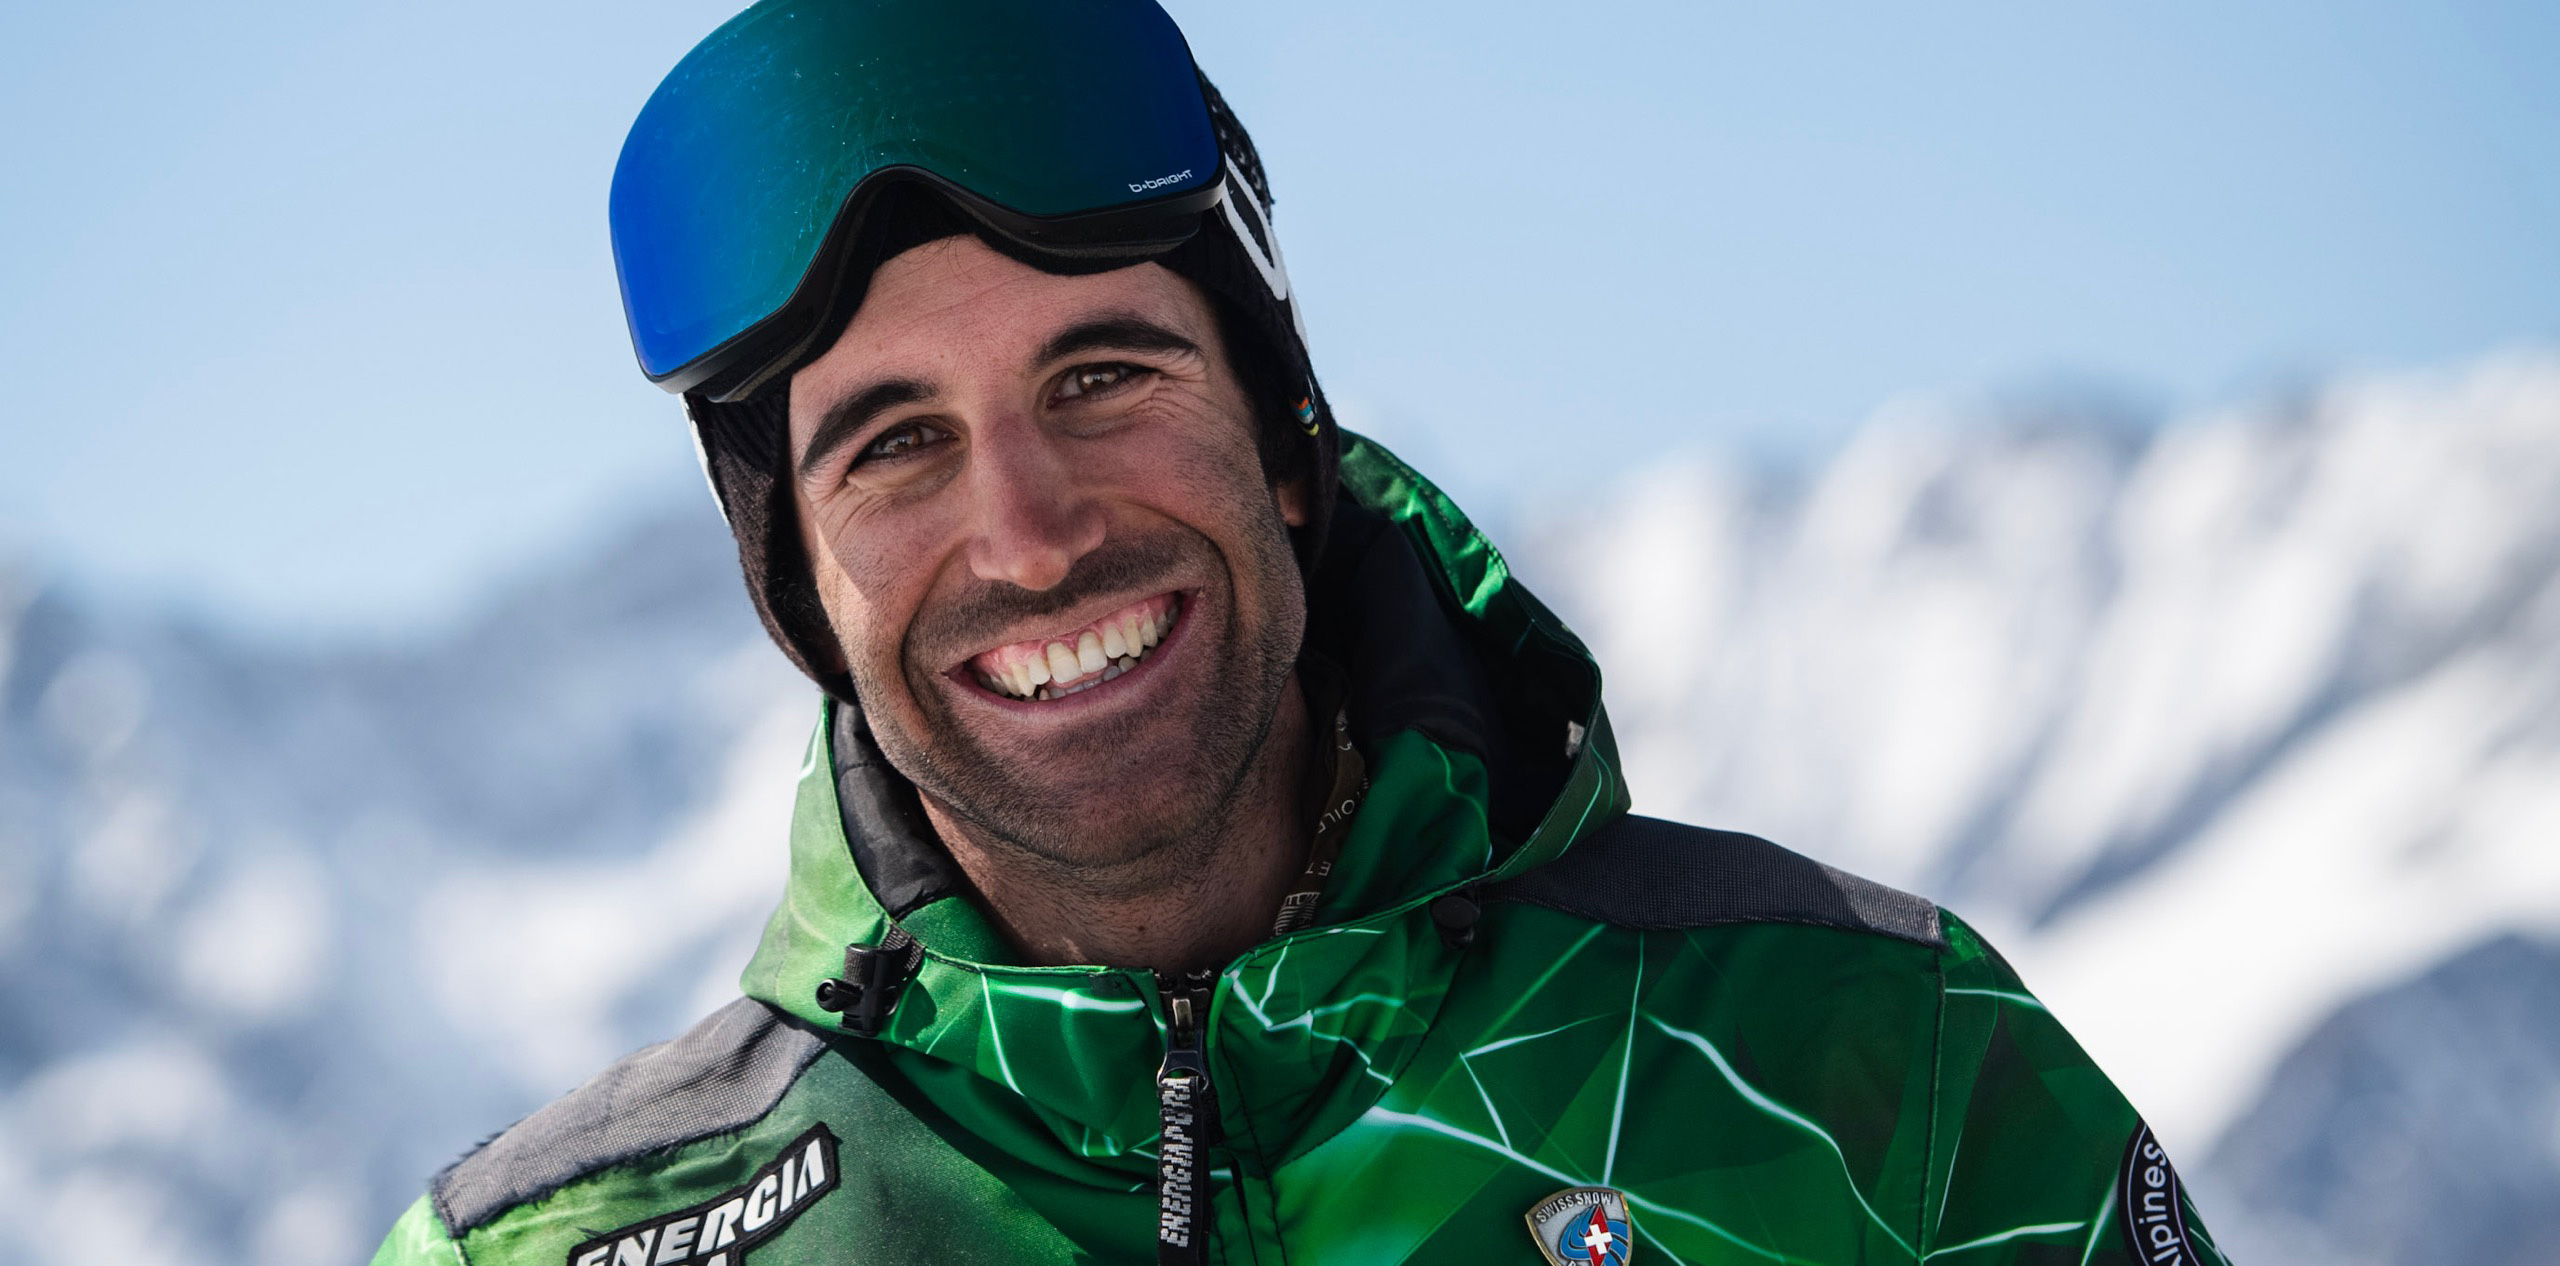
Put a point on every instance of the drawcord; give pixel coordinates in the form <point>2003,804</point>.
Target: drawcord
<point>873,977</point>
<point>1455,914</point>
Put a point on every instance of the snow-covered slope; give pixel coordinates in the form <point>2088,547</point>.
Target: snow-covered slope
<point>2416,1125</point>
<point>264,963</point>
<point>2239,736</point>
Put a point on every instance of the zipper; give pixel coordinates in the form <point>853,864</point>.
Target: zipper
<point>1187,1113</point>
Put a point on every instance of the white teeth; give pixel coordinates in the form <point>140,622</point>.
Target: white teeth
<point>1096,655</point>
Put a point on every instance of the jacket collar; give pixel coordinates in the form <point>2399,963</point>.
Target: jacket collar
<point>1479,714</point>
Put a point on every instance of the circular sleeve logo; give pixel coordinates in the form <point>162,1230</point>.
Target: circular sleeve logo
<point>2155,1217</point>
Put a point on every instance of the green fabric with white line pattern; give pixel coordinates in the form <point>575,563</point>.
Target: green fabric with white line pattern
<point>1760,1091</point>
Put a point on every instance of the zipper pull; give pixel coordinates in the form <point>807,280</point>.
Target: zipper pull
<point>1187,1112</point>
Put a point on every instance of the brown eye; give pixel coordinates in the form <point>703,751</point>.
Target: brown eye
<point>1091,380</point>
<point>903,441</point>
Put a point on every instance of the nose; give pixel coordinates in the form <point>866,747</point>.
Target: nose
<point>1033,518</point>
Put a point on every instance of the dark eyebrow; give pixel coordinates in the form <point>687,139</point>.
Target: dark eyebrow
<point>846,417</point>
<point>1120,331</point>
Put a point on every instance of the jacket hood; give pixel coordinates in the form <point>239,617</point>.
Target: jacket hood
<point>1489,754</point>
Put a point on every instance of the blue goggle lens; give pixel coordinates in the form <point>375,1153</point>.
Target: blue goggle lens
<point>741,163</point>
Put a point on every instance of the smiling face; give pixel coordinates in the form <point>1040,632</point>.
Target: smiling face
<point>1040,530</point>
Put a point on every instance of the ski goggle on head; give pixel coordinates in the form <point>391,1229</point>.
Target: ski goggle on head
<point>1076,129</point>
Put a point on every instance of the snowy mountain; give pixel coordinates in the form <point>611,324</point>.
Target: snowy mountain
<point>2238,735</point>
<point>261,944</point>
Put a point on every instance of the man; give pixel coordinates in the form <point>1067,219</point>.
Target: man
<point>1207,850</point>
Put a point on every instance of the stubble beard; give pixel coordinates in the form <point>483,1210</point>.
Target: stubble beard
<point>1084,827</point>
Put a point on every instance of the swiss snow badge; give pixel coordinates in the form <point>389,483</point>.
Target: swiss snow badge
<point>1583,1226</point>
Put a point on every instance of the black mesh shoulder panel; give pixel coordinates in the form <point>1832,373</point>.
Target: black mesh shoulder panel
<point>725,1074</point>
<point>1647,873</point>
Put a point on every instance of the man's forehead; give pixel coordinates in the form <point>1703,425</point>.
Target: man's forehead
<point>959,286</point>
<point>955,306</point>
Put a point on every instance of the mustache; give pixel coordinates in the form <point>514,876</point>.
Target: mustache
<point>981,616</point>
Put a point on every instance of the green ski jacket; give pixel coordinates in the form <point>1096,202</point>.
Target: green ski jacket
<point>1523,1027</point>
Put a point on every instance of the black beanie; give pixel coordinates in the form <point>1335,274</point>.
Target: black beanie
<point>1233,257</point>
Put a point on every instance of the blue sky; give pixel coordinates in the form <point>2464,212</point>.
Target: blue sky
<point>309,317</point>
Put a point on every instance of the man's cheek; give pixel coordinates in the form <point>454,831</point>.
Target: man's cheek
<point>852,614</point>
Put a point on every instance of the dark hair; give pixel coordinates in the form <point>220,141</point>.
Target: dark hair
<point>1271,390</point>
<point>909,216</point>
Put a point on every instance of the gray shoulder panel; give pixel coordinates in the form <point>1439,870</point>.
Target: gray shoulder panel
<point>1648,873</point>
<point>725,1074</point>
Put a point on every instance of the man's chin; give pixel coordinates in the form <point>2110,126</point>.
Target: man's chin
<point>1118,795</point>
<point>1092,834</point>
